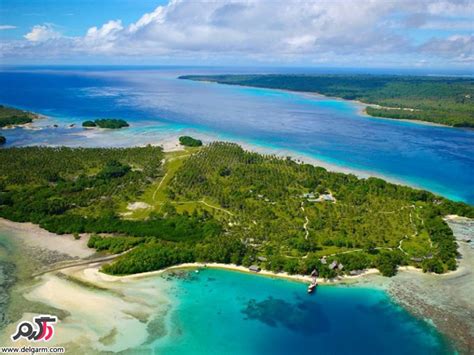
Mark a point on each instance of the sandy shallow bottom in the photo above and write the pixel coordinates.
(103, 315)
(31, 235)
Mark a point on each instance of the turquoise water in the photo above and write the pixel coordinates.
(157, 104)
(225, 312)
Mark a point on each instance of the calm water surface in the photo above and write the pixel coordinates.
(157, 104)
(227, 312)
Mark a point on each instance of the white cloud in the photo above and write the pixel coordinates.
(266, 30)
(40, 33)
(7, 27)
(460, 47)
(103, 39)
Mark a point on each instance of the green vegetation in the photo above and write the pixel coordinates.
(3, 140)
(189, 141)
(224, 204)
(443, 100)
(110, 123)
(114, 245)
(89, 124)
(10, 116)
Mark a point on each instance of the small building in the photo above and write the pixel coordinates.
(254, 268)
(314, 273)
(333, 265)
(323, 260)
(355, 272)
(340, 266)
(417, 260)
(308, 195)
(326, 197)
(261, 258)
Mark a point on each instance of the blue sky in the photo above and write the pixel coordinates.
(421, 33)
(74, 17)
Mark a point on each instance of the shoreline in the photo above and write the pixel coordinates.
(301, 157)
(77, 292)
(239, 268)
(33, 236)
(363, 112)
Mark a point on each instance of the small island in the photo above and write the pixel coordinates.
(188, 141)
(10, 116)
(110, 123)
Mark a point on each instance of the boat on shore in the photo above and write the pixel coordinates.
(312, 286)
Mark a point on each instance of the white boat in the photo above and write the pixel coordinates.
(312, 287)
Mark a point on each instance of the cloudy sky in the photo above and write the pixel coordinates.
(355, 33)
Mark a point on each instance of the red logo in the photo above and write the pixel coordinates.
(41, 330)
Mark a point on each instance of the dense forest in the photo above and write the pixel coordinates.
(443, 100)
(111, 123)
(224, 204)
(10, 116)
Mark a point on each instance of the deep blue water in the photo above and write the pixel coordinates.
(157, 104)
(224, 312)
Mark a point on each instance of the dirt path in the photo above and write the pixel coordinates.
(305, 225)
(159, 185)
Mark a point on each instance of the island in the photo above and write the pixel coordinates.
(440, 100)
(188, 141)
(10, 116)
(220, 203)
(110, 123)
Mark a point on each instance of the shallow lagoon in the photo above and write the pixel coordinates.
(227, 312)
(159, 105)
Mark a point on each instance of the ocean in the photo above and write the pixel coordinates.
(158, 105)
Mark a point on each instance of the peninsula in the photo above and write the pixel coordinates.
(441, 100)
(10, 117)
(222, 204)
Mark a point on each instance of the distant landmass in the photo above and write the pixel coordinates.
(110, 123)
(441, 100)
(10, 116)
